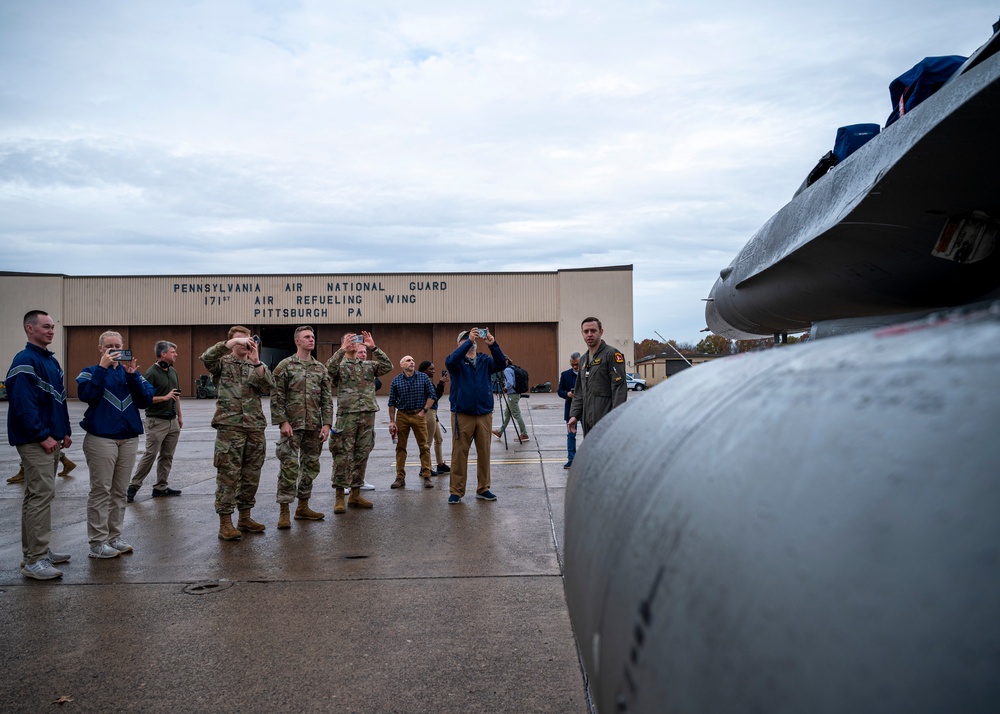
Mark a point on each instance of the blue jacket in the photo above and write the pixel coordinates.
(37, 398)
(567, 383)
(471, 392)
(114, 398)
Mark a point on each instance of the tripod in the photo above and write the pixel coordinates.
(503, 400)
(506, 418)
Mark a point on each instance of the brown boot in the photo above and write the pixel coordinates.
(67, 465)
(339, 506)
(248, 524)
(355, 501)
(226, 530)
(427, 482)
(304, 513)
(398, 483)
(18, 477)
(284, 519)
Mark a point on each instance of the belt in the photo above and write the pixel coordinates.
(411, 412)
(160, 416)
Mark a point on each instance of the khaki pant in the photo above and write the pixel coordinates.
(467, 428)
(162, 436)
(434, 434)
(110, 462)
(39, 490)
(418, 425)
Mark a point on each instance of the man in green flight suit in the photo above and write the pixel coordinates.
(601, 385)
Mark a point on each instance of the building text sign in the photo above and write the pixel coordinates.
(395, 298)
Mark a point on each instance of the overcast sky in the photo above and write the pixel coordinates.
(370, 136)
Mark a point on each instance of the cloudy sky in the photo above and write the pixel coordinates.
(330, 136)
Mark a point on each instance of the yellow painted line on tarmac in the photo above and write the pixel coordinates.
(525, 461)
(472, 460)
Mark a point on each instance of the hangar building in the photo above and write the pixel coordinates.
(535, 316)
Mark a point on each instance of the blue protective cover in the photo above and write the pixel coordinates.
(920, 82)
(853, 137)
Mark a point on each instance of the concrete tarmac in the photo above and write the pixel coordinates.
(414, 606)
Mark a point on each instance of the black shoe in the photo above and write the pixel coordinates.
(443, 469)
(157, 492)
(130, 494)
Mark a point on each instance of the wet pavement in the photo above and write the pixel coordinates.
(414, 606)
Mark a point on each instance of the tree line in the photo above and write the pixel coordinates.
(711, 345)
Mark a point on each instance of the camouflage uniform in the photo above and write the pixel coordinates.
(239, 423)
(302, 396)
(356, 407)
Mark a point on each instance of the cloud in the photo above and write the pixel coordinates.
(387, 137)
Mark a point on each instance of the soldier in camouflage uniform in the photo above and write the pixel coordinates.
(239, 422)
(353, 374)
(302, 405)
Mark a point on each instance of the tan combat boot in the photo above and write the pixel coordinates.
(284, 519)
(304, 513)
(18, 477)
(226, 530)
(355, 501)
(67, 465)
(248, 524)
(339, 506)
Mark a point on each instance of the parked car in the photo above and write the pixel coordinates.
(634, 382)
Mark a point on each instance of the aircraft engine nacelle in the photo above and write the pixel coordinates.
(811, 528)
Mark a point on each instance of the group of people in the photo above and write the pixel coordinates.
(301, 390)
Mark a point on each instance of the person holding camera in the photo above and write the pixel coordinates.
(163, 423)
(353, 375)
(471, 399)
(114, 391)
(239, 425)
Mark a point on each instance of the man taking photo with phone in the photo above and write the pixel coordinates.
(471, 400)
(163, 423)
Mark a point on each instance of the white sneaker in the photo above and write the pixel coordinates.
(367, 486)
(103, 551)
(41, 569)
(120, 545)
